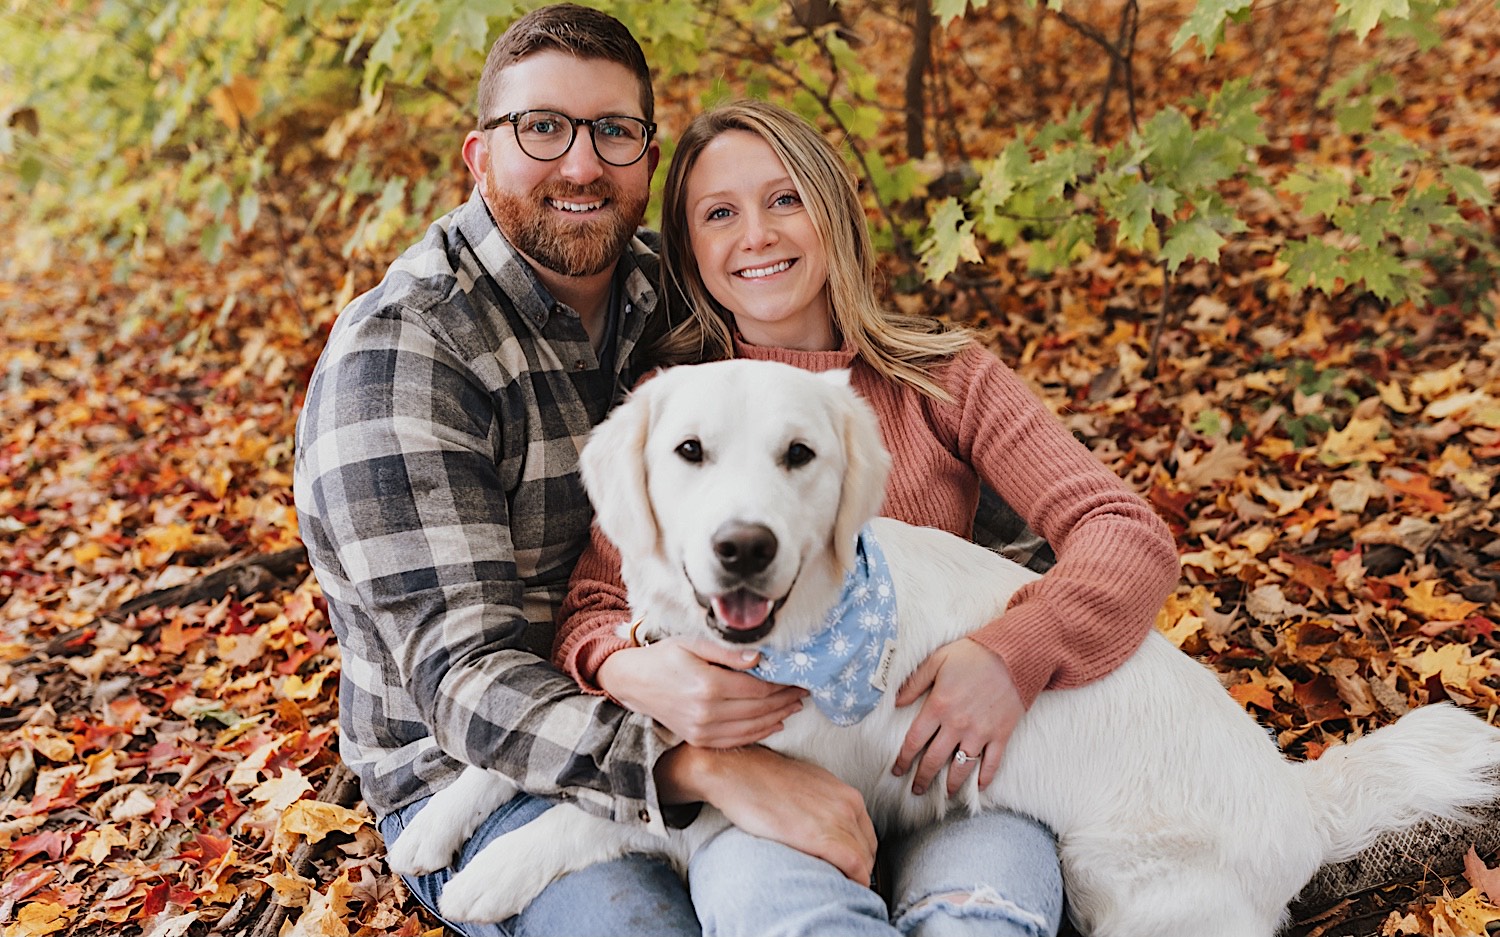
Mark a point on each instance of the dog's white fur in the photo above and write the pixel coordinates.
(1176, 815)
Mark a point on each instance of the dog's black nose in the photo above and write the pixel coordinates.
(744, 549)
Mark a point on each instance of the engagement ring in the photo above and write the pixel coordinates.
(962, 757)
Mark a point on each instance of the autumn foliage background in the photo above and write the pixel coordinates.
(1320, 427)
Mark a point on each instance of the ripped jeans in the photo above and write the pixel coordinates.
(995, 874)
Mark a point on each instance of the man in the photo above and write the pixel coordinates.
(436, 480)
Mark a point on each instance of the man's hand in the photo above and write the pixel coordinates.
(972, 706)
(777, 798)
(694, 687)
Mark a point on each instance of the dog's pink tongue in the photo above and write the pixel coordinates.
(741, 610)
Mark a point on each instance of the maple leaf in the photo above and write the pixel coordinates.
(315, 819)
(326, 912)
(1423, 600)
(1481, 876)
(38, 919)
(50, 843)
(1455, 664)
(1358, 441)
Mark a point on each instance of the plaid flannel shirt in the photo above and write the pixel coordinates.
(438, 495)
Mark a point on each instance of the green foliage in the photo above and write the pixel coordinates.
(1167, 189)
(127, 123)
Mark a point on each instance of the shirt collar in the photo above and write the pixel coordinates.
(846, 663)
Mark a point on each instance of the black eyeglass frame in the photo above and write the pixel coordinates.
(514, 119)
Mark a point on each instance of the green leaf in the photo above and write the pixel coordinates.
(1316, 263)
(215, 236)
(949, 10)
(1468, 184)
(1233, 110)
(951, 240)
(1365, 15)
(1206, 23)
(1358, 116)
(1384, 274)
(1321, 193)
(1137, 208)
(249, 209)
(1194, 237)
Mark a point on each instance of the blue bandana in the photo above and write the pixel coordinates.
(845, 663)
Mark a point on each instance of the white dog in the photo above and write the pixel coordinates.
(738, 493)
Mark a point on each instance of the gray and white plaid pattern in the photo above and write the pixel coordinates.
(438, 494)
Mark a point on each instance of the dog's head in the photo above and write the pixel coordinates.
(737, 480)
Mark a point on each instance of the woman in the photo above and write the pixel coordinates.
(765, 240)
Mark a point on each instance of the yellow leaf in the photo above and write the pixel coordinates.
(282, 791)
(1284, 501)
(1458, 404)
(295, 688)
(38, 919)
(1470, 913)
(1356, 442)
(86, 554)
(1394, 397)
(96, 845)
(1433, 384)
(1422, 599)
(315, 819)
(236, 102)
(1454, 663)
(325, 912)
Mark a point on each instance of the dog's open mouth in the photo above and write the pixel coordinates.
(742, 616)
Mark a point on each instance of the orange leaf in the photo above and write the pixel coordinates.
(1419, 489)
(1251, 694)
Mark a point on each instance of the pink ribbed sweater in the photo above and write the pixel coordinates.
(1116, 562)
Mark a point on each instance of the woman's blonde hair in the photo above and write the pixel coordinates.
(900, 348)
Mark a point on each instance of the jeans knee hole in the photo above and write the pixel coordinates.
(981, 901)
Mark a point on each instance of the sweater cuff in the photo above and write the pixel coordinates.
(590, 655)
(1028, 663)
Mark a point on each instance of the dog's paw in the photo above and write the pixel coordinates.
(476, 894)
(418, 851)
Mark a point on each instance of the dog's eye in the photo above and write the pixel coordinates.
(798, 455)
(691, 451)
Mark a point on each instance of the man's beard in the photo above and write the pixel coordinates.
(570, 249)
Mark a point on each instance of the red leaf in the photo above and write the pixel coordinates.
(19, 886)
(156, 900)
(51, 843)
(1319, 699)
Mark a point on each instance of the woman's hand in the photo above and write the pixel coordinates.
(777, 798)
(972, 706)
(694, 687)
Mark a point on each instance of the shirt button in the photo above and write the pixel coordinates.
(645, 816)
(579, 365)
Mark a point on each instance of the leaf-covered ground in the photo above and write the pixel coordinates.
(167, 759)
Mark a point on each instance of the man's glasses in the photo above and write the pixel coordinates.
(547, 135)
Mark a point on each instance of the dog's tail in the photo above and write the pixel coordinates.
(1437, 761)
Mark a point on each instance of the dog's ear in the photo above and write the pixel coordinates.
(613, 464)
(866, 465)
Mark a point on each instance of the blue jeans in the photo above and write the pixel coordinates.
(996, 875)
(636, 895)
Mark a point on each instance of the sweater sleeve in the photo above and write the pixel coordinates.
(589, 620)
(1116, 560)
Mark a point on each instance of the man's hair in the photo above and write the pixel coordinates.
(565, 27)
(900, 348)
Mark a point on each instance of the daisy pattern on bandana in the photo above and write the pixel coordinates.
(843, 664)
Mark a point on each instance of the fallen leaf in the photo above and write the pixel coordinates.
(1481, 876)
